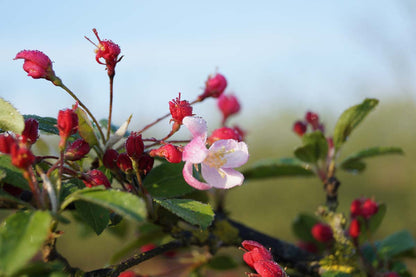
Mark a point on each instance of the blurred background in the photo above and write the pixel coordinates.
(281, 58)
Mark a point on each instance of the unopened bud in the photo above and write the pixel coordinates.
(124, 163)
(95, 178)
(170, 152)
(30, 132)
(134, 146)
(322, 232)
(224, 133)
(110, 158)
(77, 150)
(214, 86)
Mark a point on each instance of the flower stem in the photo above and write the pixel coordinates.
(110, 107)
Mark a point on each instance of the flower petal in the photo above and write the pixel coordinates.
(191, 180)
(221, 178)
(196, 125)
(234, 153)
(195, 151)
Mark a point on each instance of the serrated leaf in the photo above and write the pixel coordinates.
(222, 262)
(85, 128)
(123, 203)
(21, 237)
(192, 211)
(302, 226)
(14, 175)
(119, 134)
(375, 220)
(10, 118)
(166, 180)
(93, 215)
(350, 119)
(353, 163)
(46, 124)
(396, 244)
(277, 168)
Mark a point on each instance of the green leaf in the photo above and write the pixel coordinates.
(354, 164)
(14, 175)
(41, 269)
(306, 153)
(21, 237)
(376, 219)
(2, 174)
(85, 129)
(93, 215)
(302, 226)
(192, 211)
(4, 196)
(46, 124)
(350, 119)
(335, 274)
(277, 168)
(166, 181)
(222, 262)
(318, 140)
(396, 244)
(123, 203)
(10, 118)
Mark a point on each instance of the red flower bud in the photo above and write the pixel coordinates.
(228, 105)
(95, 178)
(322, 232)
(77, 150)
(170, 152)
(214, 87)
(179, 109)
(110, 158)
(67, 125)
(224, 133)
(134, 146)
(36, 64)
(145, 163)
(369, 208)
(313, 119)
(268, 268)
(355, 208)
(107, 50)
(147, 247)
(124, 163)
(6, 142)
(299, 128)
(257, 254)
(21, 156)
(30, 132)
(354, 230)
(128, 273)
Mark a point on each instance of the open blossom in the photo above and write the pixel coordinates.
(217, 162)
(37, 64)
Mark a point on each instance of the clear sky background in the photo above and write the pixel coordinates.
(276, 55)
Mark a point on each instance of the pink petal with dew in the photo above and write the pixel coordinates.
(35, 56)
(234, 153)
(195, 151)
(191, 180)
(196, 125)
(221, 178)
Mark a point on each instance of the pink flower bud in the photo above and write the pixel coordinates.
(268, 268)
(145, 163)
(354, 230)
(124, 163)
(229, 105)
(36, 64)
(369, 208)
(77, 150)
(355, 208)
(257, 254)
(107, 50)
(134, 146)
(224, 133)
(21, 156)
(30, 132)
(170, 152)
(299, 128)
(110, 158)
(67, 125)
(322, 232)
(6, 143)
(214, 86)
(95, 178)
(179, 109)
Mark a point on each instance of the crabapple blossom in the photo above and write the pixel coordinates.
(37, 64)
(217, 162)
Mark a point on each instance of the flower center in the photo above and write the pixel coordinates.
(216, 159)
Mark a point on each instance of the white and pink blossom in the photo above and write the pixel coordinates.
(217, 162)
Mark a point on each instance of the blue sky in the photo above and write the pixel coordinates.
(276, 55)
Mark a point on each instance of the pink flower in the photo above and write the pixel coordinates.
(229, 105)
(37, 64)
(217, 162)
(214, 87)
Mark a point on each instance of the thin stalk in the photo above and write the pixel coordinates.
(110, 112)
(28, 174)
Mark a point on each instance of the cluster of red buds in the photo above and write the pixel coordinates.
(261, 260)
(311, 120)
(363, 208)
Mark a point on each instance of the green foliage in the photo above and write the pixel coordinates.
(46, 124)
(10, 118)
(396, 244)
(166, 180)
(354, 163)
(314, 148)
(123, 203)
(350, 119)
(192, 211)
(302, 226)
(13, 175)
(38, 269)
(85, 128)
(93, 215)
(277, 168)
(335, 274)
(375, 220)
(222, 262)
(21, 236)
